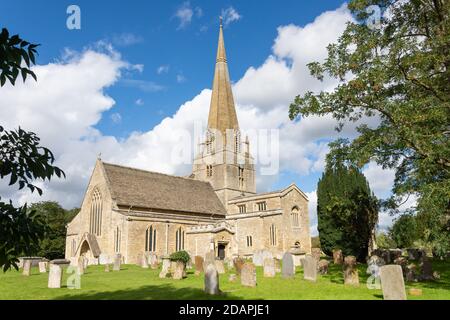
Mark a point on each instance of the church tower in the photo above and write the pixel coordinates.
(223, 159)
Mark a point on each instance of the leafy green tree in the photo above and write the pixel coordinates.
(398, 71)
(404, 231)
(347, 211)
(384, 241)
(56, 218)
(23, 160)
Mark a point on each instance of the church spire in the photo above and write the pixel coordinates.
(222, 113)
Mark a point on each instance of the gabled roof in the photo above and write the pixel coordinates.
(152, 190)
(278, 193)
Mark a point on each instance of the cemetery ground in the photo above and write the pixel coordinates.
(134, 282)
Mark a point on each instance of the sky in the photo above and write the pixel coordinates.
(137, 75)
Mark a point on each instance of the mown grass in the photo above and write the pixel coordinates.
(133, 282)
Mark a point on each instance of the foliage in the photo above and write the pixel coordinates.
(404, 231)
(384, 241)
(347, 211)
(398, 72)
(180, 256)
(23, 160)
(14, 50)
(53, 244)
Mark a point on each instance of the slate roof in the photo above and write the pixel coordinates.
(152, 190)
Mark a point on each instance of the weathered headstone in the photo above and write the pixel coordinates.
(211, 280)
(248, 275)
(392, 282)
(426, 268)
(165, 269)
(26, 267)
(310, 268)
(288, 268)
(81, 265)
(238, 264)
(220, 266)
(178, 270)
(144, 261)
(337, 256)
(210, 257)
(85, 262)
(153, 261)
(351, 276)
(323, 265)
(107, 267)
(117, 262)
(54, 276)
(43, 266)
(260, 255)
(198, 262)
(277, 263)
(269, 267)
(411, 272)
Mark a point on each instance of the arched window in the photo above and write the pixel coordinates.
(117, 235)
(209, 170)
(249, 241)
(74, 247)
(273, 235)
(150, 239)
(179, 240)
(209, 142)
(95, 223)
(295, 217)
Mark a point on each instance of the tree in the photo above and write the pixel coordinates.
(56, 218)
(347, 211)
(23, 160)
(384, 241)
(404, 231)
(399, 72)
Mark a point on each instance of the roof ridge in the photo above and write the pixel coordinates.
(156, 172)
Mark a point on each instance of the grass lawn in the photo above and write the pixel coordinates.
(133, 282)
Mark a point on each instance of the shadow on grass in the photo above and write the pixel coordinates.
(150, 292)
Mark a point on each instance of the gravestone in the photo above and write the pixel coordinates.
(103, 259)
(117, 262)
(43, 266)
(55, 273)
(211, 280)
(165, 269)
(411, 272)
(178, 270)
(395, 253)
(153, 261)
(337, 256)
(238, 264)
(81, 265)
(323, 265)
(144, 261)
(210, 258)
(220, 266)
(316, 253)
(269, 267)
(85, 262)
(392, 282)
(277, 263)
(248, 275)
(351, 276)
(198, 262)
(288, 268)
(426, 269)
(107, 267)
(310, 268)
(260, 255)
(26, 267)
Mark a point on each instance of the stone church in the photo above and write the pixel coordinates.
(132, 211)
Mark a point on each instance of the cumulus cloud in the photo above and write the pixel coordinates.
(70, 98)
(139, 102)
(163, 69)
(116, 118)
(230, 15)
(185, 13)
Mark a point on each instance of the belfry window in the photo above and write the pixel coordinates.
(237, 142)
(150, 239)
(242, 208)
(249, 241)
(95, 222)
(262, 206)
(179, 240)
(117, 235)
(209, 170)
(273, 235)
(295, 217)
(241, 177)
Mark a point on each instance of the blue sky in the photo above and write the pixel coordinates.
(161, 56)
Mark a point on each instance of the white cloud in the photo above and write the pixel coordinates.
(163, 69)
(184, 14)
(116, 118)
(230, 15)
(181, 78)
(143, 85)
(126, 39)
(139, 102)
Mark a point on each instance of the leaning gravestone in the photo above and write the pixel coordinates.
(178, 270)
(248, 275)
(211, 280)
(26, 267)
(269, 267)
(43, 267)
(351, 276)
(337, 256)
(288, 268)
(310, 268)
(238, 264)
(55, 273)
(392, 282)
(165, 269)
(117, 262)
(198, 262)
(322, 266)
(220, 267)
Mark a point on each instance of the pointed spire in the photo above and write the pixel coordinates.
(222, 112)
